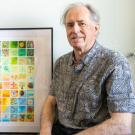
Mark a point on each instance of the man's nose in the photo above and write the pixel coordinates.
(76, 28)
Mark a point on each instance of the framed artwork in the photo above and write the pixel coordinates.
(25, 77)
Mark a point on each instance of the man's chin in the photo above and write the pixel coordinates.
(77, 48)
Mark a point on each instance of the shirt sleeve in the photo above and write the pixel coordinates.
(51, 91)
(119, 88)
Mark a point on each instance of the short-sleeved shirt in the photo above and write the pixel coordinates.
(87, 93)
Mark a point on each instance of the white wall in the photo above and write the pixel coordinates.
(117, 21)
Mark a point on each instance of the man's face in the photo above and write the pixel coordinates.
(81, 30)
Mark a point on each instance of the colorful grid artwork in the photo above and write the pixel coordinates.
(16, 81)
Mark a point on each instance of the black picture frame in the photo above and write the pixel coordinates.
(42, 46)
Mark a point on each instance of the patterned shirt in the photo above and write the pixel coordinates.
(86, 93)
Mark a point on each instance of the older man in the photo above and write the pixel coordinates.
(91, 92)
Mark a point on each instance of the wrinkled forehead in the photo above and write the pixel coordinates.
(77, 13)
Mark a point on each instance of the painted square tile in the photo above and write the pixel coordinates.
(22, 44)
(13, 117)
(30, 44)
(22, 109)
(5, 44)
(13, 44)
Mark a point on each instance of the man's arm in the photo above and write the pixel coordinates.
(48, 116)
(118, 124)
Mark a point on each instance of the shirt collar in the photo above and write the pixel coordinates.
(91, 53)
(88, 56)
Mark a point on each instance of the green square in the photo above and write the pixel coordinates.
(13, 60)
(22, 52)
(13, 44)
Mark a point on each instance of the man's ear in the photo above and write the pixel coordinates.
(97, 28)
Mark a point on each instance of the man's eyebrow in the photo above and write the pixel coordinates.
(74, 21)
(80, 20)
